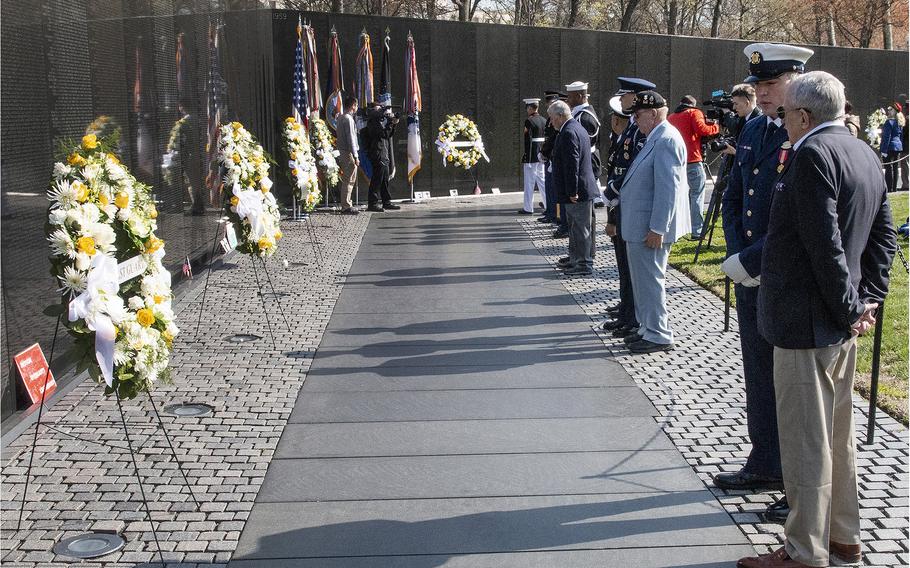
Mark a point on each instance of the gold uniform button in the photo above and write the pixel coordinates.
(748, 233)
(755, 172)
(749, 213)
(751, 192)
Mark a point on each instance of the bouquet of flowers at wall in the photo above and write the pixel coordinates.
(116, 295)
(874, 127)
(302, 166)
(252, 208)
(459, 142)
(324, 148)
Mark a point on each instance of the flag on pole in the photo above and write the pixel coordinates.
(216, 105)
(413, 104)
(385, 91)
(334, 83)
(187, 268)
(314, 104)
(299, 100)
(363, 87)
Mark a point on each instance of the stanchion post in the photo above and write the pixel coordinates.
(727, 304)
(876, 364)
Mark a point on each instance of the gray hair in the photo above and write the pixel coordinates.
(559, 109)
(820, 93)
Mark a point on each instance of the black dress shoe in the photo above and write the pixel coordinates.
(645, 346)
(391, 206)
(625, 331)
(778, 511)
(557, 234)
(633, 337)
(523, 212)
(612, 324)
(564, 262)
(543, 220)
(745, 480)
(375, 209)
(614, 309)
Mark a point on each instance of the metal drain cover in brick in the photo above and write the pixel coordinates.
(89, 545)
(242, 338)
(189, 409)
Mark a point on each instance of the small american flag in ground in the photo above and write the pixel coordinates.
(187, 267)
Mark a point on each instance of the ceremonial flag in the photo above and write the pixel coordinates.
(334, 82)
(181, 67)
(312, 71)
(363, 87)
(385, 91)
(216, 106)
(187, 268)
(299, 102)
(413, 104)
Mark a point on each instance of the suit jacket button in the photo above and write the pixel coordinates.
(748, 233)
(755, 172)
(751, 192)
(749, 213)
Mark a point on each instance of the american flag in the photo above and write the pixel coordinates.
(300, 103)
(412, 106)
(187, 268)
(215, 106)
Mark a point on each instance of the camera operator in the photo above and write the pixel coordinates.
(381, 123)
(690, 121)
(743, 96)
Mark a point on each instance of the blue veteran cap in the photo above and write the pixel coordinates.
(633, 85)
(771, 60)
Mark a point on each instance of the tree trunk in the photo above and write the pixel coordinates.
(517, 19)
(431, 9)
(832, 39)
(715, 19)
(573, 13)
(887, 41)
(626, 24)
(338, 6)
(672, 17)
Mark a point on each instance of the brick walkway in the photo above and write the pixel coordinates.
(698, 390)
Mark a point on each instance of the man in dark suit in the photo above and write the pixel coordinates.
(576, 187)
(380, 128)
(825, 264)
(746, 203)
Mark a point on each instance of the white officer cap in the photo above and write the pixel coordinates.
(770, 60)
(531, 101)
(577, 86)
(616, 107)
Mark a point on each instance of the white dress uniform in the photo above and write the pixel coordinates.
(533, 168)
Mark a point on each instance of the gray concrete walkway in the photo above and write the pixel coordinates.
(460, 412)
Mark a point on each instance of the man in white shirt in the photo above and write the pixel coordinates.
(348, 148)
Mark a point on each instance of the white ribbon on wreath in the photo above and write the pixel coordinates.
(250, 207)
(91, 306)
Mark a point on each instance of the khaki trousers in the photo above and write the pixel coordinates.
(814, 390)
(348, 176)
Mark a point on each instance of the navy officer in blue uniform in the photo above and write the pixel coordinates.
(621, 155)
(761, 154)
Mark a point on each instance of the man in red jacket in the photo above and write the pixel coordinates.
(690, 121)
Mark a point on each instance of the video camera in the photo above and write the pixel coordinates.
(387, 111)
(720, 109)
(720, 143)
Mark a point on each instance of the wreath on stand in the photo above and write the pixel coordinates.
(116, 294)
(302, 173)
(874, 127)
(252, 207)
(460, 143)
(324, 148)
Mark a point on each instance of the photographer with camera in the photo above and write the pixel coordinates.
(743, 98)
(381, 123)
(691, 123)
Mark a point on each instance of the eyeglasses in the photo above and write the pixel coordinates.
(782, 112)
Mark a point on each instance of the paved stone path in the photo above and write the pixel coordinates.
(460, 412)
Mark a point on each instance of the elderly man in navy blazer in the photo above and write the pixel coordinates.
(576, 187)
(654, 213)
(824, 271)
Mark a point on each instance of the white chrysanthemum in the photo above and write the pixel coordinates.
(113, 306)
(102, 233)
(115, 171)
(91, 172)
(73, 281)
(62, 244)
(136, 303)
(110, 210)
(140, 226)
(83, 261)
(122, 354)
(124, 214)
(61, 170)
(63, 194)
(57, 217)
(90, 213)
(266, 183)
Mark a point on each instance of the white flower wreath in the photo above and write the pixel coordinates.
(324, 148)
(874, 127)
(252, 206)
(302, 166)
(460, 143)
(119, 314)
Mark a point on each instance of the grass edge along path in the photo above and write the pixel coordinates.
(893, 378)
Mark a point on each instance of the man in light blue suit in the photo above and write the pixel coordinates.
(654, 214)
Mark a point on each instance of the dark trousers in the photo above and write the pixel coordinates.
(379, 184)
(758, 372)
(550, 190)
(904, 167)
(626, 313)
(891, 170)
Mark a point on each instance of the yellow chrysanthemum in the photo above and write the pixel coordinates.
(236, 158)
(103, 199)
(235, 200)
(290, 120)
(145, 317)
(122, 200)
(264, 243)
(81, 191)
(86, 245)
(89, 141)
(236, 125)
(157, 299)
(153, 245)
(75, 159)
(153, 212)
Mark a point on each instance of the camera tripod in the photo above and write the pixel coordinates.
(713, 212)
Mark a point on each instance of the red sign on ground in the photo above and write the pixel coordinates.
(33, 367)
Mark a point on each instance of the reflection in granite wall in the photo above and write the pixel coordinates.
(165, 73)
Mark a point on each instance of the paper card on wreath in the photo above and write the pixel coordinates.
(231, 235)
(32, 368)
(453, 193)
(131, 268)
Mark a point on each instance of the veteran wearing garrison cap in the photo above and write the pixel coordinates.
(532, 167)
(761, 154)
(622, 153)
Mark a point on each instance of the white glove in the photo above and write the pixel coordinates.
(733, 268)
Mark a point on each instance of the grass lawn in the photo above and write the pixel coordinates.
(893, 383)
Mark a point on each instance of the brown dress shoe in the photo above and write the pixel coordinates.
(844, 554)
(777, 559)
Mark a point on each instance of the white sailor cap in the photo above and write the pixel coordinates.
(770, 60)
(531, 101)
(577, 86)
(616, 107)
